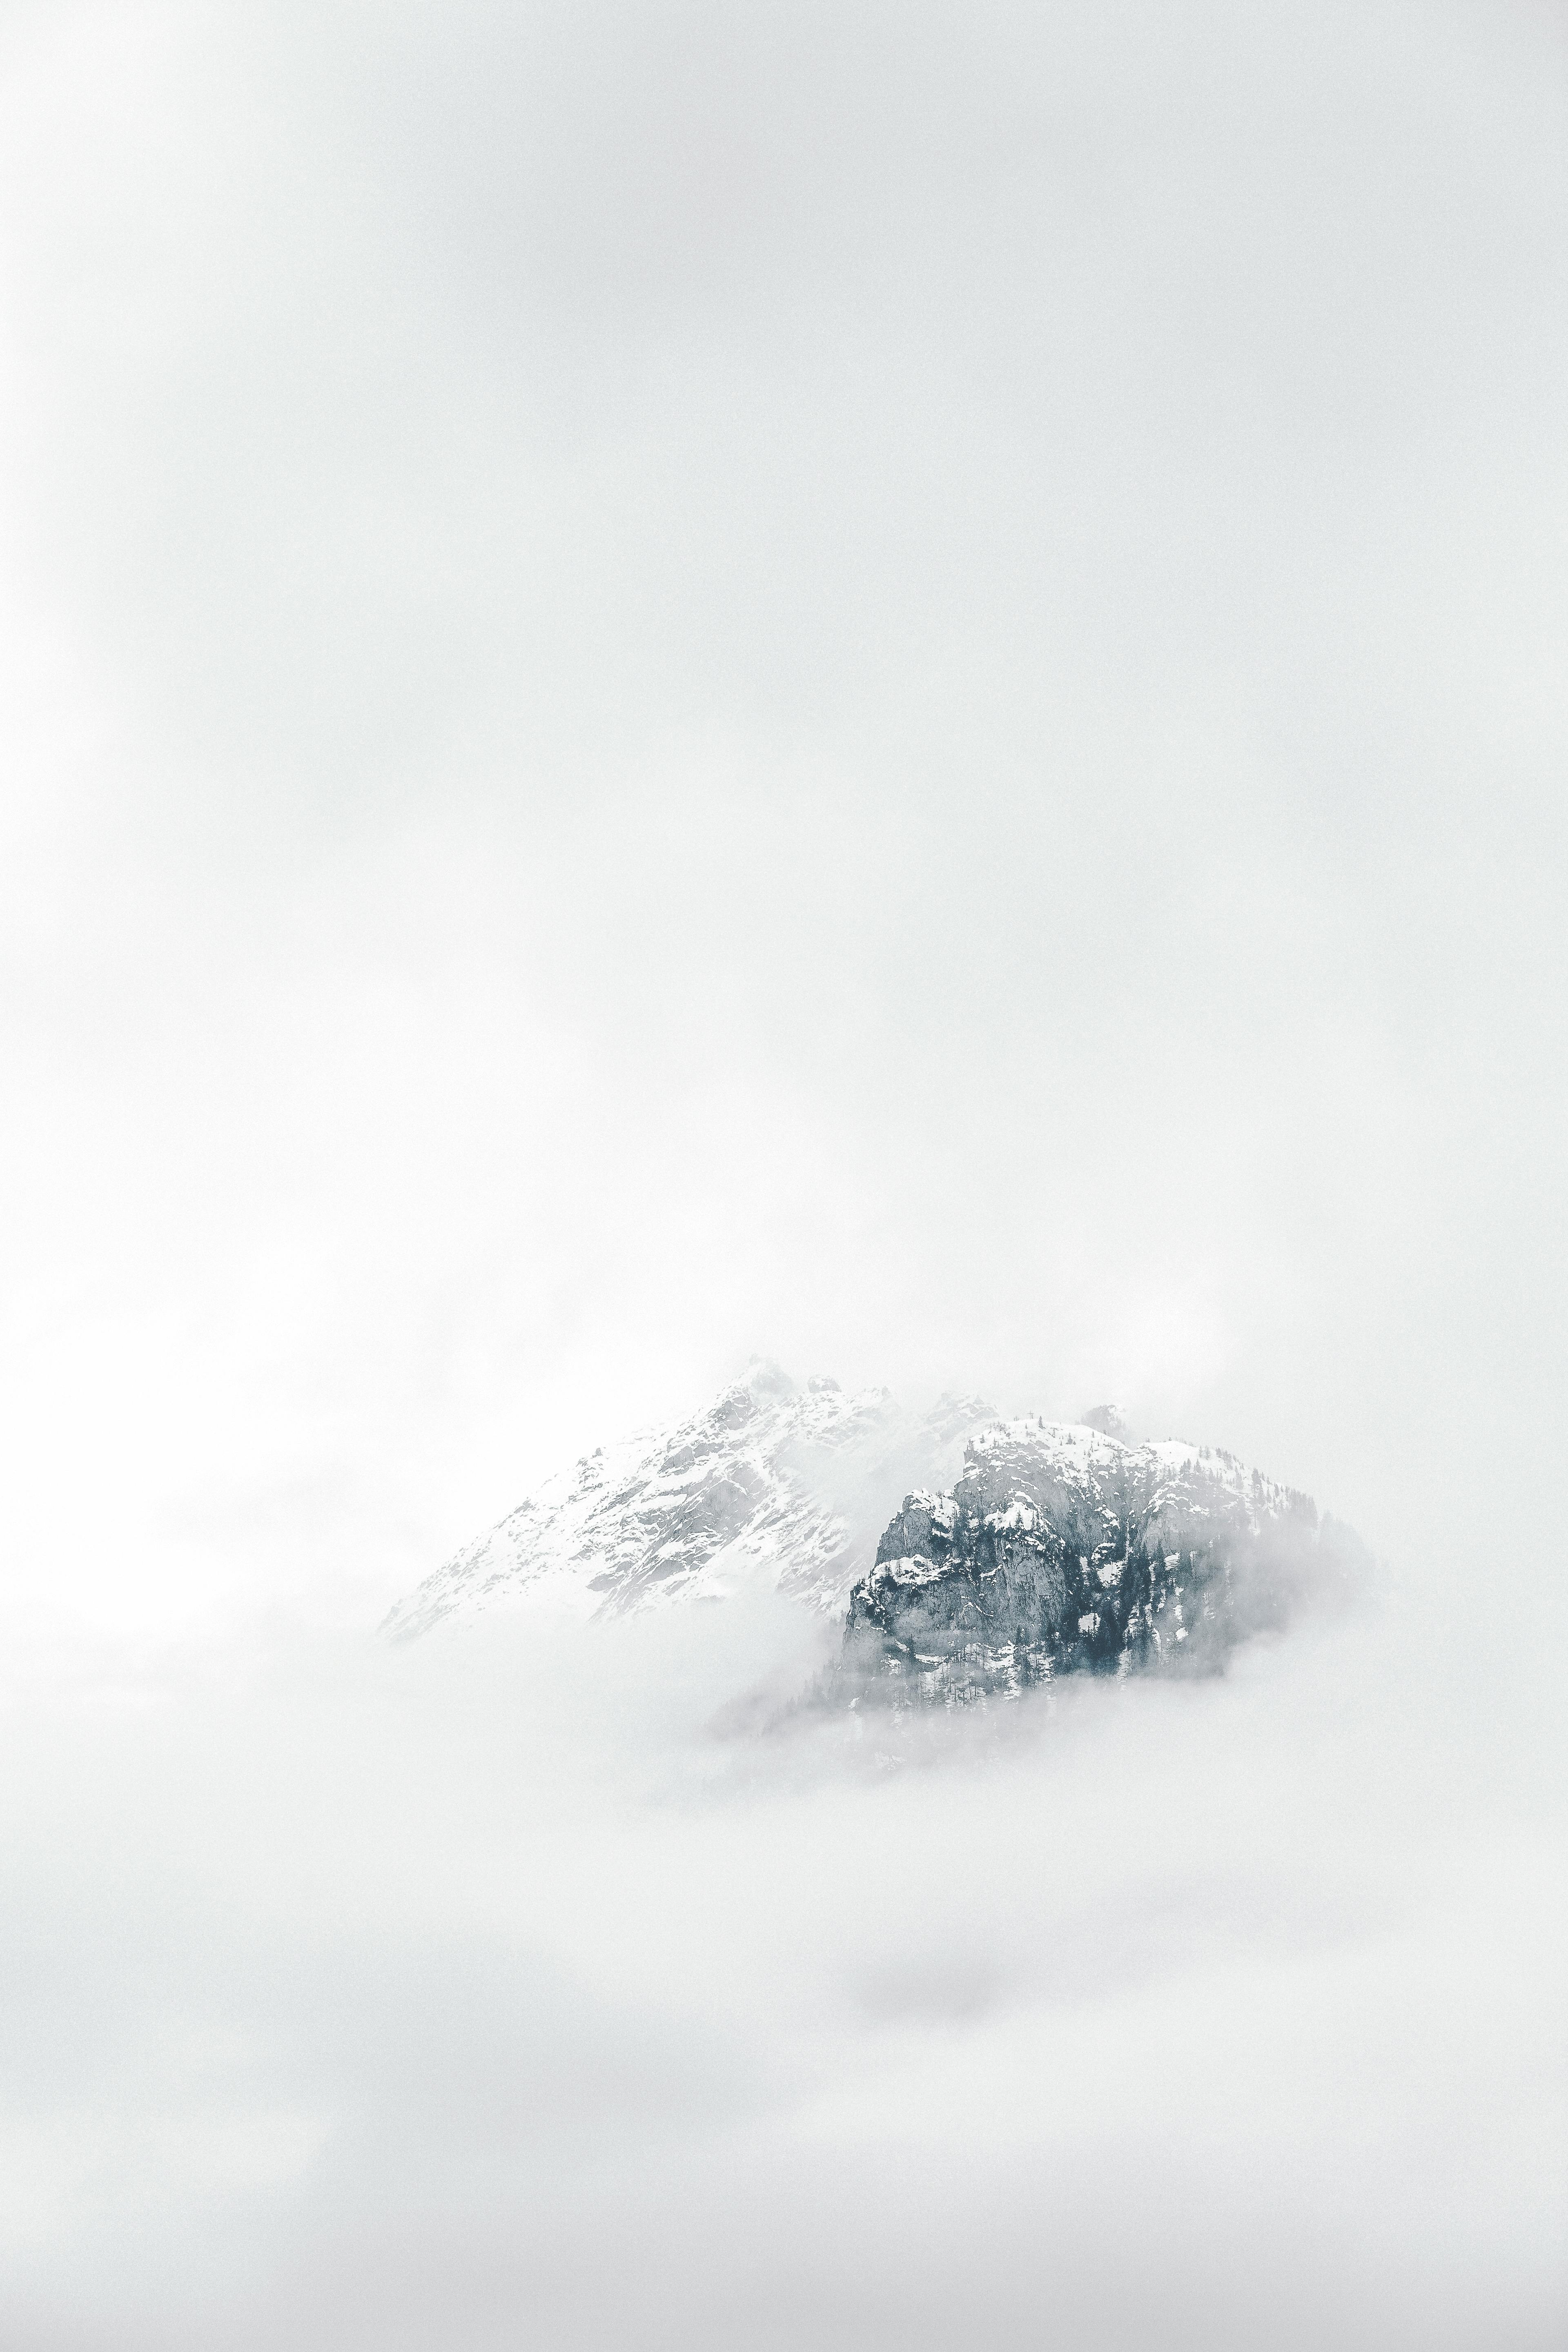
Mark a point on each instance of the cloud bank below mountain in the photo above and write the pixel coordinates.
(481, 1991)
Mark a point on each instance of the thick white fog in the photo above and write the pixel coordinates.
(877, 685)
(484, 1992)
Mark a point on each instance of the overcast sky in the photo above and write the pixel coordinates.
(883, 684)
(878, 684)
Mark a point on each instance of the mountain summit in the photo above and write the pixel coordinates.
(774, 1482)
(1023, 1550)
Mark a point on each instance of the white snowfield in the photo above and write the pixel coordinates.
(791, 1487)
(773, 1483)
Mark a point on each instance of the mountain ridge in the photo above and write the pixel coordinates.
(774, 1482)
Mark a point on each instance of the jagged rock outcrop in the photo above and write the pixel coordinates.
(1063, 1551)
(774, 1482)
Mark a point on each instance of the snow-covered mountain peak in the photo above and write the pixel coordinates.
(772, 1482)
(1024, 1547)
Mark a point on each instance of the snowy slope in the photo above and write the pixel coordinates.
(773, 1483)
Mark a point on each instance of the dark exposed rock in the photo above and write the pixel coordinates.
(1062, 1550)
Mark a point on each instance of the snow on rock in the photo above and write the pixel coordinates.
(1062, 1549)
(772, 1481)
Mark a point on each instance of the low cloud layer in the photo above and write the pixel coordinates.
(484, 1993)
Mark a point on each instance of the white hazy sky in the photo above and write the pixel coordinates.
(878, 684)
(883, 684)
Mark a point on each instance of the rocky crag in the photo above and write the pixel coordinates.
(1062, 1550)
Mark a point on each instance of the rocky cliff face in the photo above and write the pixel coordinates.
(773, 1483)
(1023, 1550)
(1061, 1549)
